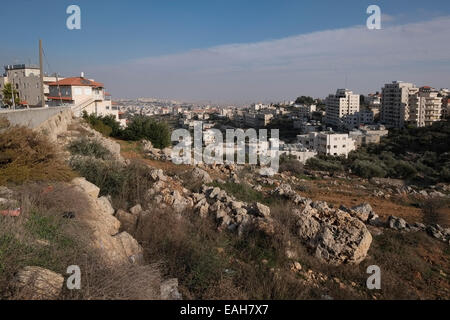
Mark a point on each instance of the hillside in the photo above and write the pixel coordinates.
(221, 232)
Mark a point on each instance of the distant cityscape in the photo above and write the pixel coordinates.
(335, 126)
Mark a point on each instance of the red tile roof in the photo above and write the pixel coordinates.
(77, 81)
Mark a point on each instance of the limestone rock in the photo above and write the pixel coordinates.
(91, 189)
(201, 174)
(36, 283)
(127, 220)
(169, 290)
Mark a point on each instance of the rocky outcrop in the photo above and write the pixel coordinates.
(36, 283)
(169, 290)
(334, 235)
(115, 248)
(201, 175)
(155, 153)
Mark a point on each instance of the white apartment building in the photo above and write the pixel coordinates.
(395, 103)
(341, 108)
(425, 107)
(445, 94)
(305, 111)
(82, 95)
(27, 82)
(328, 143)
(298, 151)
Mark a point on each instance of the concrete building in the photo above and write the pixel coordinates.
(26, 81)
(445, 94)
(368, 134)
(297, 151)
(328, 143)
(425, 107)
(395, 103)
(82, 95)
(305, 111)
(341, 108)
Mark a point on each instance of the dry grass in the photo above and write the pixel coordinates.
(40, 236)
(27, 156)
(4, 123)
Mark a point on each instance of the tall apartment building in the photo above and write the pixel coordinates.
(395, 103)
(26, 81)
(445, 94)
(425, 107)
(341, 108)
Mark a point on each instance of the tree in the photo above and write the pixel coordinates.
(8, 92)
(144, 127)
(304, 100)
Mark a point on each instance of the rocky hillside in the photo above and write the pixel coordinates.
(225, 232)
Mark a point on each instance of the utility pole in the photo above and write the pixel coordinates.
(13, 95)
(41, 68)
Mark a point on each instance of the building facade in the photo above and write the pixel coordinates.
(425, 107)
(328, 143)
(395, 103)
(27, 82)
(341, 109)
(82, 95)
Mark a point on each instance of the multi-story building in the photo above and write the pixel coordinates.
(395, 103)
(425, 107)
(82, 95)
(305, 111)
(257, 120)
(445, 94)
(27, 82)
(341, 108)
(328, 143)
(368, 134)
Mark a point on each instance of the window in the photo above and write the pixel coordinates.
(88, 91)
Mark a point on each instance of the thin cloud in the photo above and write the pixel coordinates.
(315, 63)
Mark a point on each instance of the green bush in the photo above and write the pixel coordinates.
(126, 184)
(86, 147)
(330, 165)
(367, 169)
(140, 127)
(144, 127)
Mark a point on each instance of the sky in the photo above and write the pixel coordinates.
(234, 51)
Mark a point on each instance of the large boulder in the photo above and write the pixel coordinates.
(202, 175)
(169, 290)
(128, 220)
(36, 283)
(334, 236)
(363, 211)
(89, 188)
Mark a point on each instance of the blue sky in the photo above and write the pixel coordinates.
(125, 41)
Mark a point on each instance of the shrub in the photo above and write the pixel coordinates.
(4, 123)
(328, 164)
(243, 192)
(404, 170)
(144, 127)
(127, 184)
(291, 165)
(367, 169)
(28, 156)
(86, 147)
